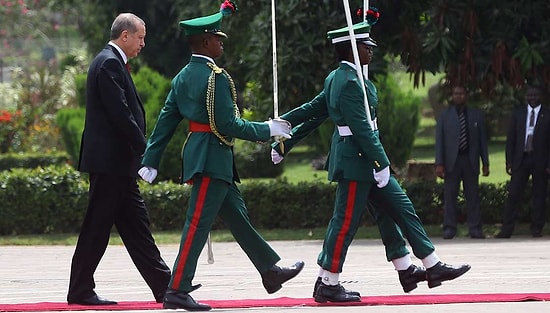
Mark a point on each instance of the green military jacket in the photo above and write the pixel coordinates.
(351, 157)
(203, 152)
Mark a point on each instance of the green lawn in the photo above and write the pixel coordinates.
(425, 151)
(173, 237)
(298, 163)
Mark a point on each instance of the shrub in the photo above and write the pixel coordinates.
(153, 89)
(71, 124)
(32, 160)
(253, 160)
(53, 200)
(41, 200)
(398, 119)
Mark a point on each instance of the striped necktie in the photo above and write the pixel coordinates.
(529, 142)
(463, 138)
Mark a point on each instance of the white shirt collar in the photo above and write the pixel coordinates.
(537, 109)
(203, 56)
(124, 57)
(350, 64)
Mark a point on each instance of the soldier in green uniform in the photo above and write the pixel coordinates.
(205, 94)
(358, 163)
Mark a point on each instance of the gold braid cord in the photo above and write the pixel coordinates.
(210, 95)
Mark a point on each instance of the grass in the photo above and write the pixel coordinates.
(425, 151)
(173, 237)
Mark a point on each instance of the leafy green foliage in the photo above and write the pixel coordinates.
(398, 119)
(41, 200)
(71, 124)
(53, 199)
(253, 160)
(475, 43)
(153, 89)
(31, 160)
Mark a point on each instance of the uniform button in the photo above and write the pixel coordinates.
(360, 154)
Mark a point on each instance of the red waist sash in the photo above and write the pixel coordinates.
(199, 128)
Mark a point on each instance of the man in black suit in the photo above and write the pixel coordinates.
(112, 146)
(460, 142)
(527, 155)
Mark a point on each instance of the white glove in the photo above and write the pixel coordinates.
(276, 158)
(148, 174)
(382, 177)
(279, 128)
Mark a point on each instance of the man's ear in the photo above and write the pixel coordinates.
(206, 41)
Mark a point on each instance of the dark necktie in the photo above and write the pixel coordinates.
(128, 67)
(463, 138)
(529, 143)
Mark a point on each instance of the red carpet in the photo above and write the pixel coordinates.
(289, 302)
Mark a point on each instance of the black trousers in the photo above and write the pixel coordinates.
(115, 200)
(518, 182)
(464, 173)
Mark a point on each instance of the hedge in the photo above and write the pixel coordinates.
(53, 200)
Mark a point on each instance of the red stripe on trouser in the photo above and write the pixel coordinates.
(348, 215)
(186, 246)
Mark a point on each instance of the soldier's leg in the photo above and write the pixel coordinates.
(206, 199)
(350, 202)
(399, 207)
(235, 215)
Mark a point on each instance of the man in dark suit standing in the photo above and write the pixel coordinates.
(527, 155)
(112, 146)
(460, 141)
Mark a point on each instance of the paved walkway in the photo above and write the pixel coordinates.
(517, 265)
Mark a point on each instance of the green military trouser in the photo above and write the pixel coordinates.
(211, 197)
(393, 212)
(396, 217)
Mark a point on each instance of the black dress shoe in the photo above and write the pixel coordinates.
(159, 298)
(502, 235)
(442, 272)
(410, 277)
(334, 294)
(319, 282)
(93, 300)
(174, 299)
(477, 235)
(274, 278)
(449, 234)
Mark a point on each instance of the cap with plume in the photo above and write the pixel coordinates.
(371, 16)
(228, 7)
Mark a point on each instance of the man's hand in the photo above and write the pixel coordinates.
(382, 177)
(276, 158)
(148, 174)
(279, 128)
(440, 171)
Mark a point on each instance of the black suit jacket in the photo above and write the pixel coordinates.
(113, 140)
(448, 134)
(515, 140)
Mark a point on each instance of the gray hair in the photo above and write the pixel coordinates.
(125, 21)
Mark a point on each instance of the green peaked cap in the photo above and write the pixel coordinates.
(203, 25)
(361, 31)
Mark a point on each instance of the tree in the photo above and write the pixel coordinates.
(477, 43)
(165, 50)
